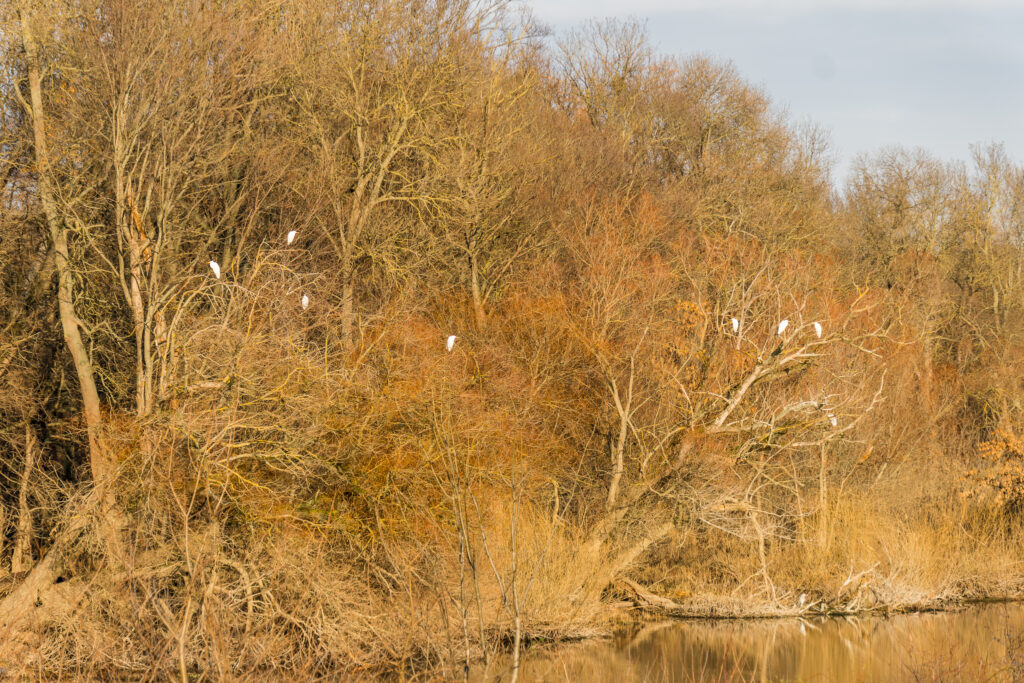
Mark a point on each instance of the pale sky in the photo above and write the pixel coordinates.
(936, 74)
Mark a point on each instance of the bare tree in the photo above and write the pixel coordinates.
(369, 113)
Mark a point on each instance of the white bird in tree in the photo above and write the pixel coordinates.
(782, 326)
(451, 343)
(735, 325)
(832, 420)
(216, 269)
(291, 236)
(817, 329)
(305, 302)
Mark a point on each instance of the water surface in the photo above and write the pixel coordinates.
(980, 643)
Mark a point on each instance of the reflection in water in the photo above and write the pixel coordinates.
(982, 643)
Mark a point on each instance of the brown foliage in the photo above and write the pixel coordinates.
(614, 239)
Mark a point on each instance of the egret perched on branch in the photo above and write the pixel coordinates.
(832, 420)
(305, 302)
(817, 329)
(451, 343)
(216, 269)
(291, 236)
(782, 326)
(735, 325)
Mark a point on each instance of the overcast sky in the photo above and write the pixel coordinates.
(937, 74)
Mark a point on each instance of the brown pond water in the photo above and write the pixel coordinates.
(980, 643)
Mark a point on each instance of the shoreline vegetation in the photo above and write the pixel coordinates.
(387, 338)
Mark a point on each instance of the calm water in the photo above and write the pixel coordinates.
(981, 643)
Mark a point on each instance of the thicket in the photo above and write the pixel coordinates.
(281, 466)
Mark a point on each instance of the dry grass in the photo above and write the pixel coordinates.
(876, 557)
(278, 595)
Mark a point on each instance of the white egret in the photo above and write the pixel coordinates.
(735, 325)
(291, 236)
(216, 269)
(817, 329)
(832, 419)
(782, 326)
(451, 342)
(305, 302)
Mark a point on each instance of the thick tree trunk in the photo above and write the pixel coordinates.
(101, 468)
(618, 450)
(39, 597)
(39, 594)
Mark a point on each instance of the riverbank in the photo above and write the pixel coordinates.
(650, 605)
(952, 555)
(554, 584)
(981, 642)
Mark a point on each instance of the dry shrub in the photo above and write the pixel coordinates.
(295, 514)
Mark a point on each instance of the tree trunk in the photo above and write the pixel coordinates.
(474, 282)
(618, 462)
(3, 534)
(21, 558)
(347, 301)
(39, 594)
(128, 223)
(823, 501)
(618, 453)
(39, 597)
(99, 464)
